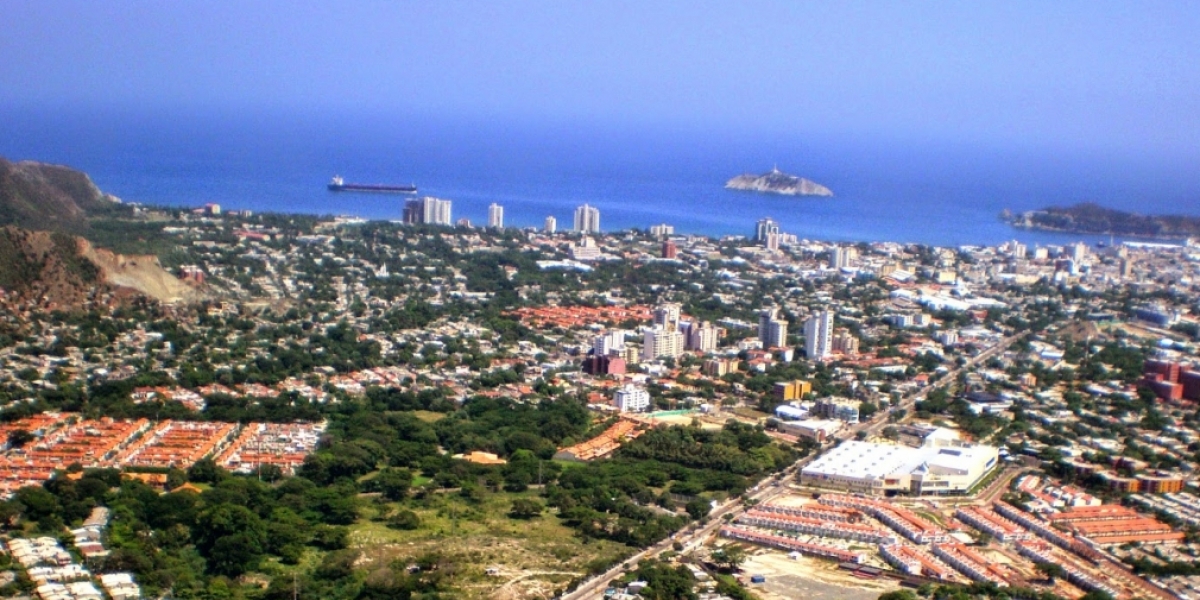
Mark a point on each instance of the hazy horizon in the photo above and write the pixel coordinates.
(1086, 78)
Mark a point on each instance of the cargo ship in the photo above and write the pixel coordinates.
(337, 184)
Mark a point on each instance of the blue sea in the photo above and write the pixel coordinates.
(637, 175)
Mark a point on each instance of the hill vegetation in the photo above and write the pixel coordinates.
(1095, 219)
(36, 195)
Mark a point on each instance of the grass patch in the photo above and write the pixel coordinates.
(428, 416)
(570, 464)
(480, 536)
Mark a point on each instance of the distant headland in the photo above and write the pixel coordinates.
(778, 182)
(1091, 218)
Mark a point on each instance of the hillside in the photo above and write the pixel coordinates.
(48, 197)
(1095, 219)
(68, 272)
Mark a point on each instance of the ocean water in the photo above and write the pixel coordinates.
(637, 176)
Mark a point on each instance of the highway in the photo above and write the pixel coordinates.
(691, 538)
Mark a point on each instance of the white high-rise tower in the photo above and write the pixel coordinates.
(818, 334)
(587, 219)
(495, 216)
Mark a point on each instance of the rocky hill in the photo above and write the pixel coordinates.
(68, 272)
(1095, 219)
(49, 197)
(778, 182)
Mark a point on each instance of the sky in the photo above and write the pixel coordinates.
(1095, 76)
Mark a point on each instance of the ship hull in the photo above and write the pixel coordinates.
(374, 189)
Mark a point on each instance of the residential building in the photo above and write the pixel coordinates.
(667, 315)
(661, 341)
(587, 219)
(495, 216)
(792, 390)
(818, 333)
(427, 211)
(841, 258)
(703, 336)
(765, 228)
(551, 225)
(662, 230)
(632, 398)
(669, 250)
(845, 343)
(772, 330)
(586, 249)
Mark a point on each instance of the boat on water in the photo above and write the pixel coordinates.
(337, 184)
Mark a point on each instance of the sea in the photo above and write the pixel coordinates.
(637, 175)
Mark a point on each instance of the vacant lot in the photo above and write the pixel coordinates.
(528, 558)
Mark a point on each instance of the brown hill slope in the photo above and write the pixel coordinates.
(51, 197)
(68, 272)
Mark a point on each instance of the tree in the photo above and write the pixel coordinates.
(525, 508)
(697, 508)
(206, 470)
(405, 519)
(1051, 570)
(394, 484)
(898, 595)
(17, 438)
(729, 556)
(232, 538)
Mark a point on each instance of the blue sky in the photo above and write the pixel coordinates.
(1094, 76)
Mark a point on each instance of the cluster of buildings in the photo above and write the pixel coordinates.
(56, 576)
(604, 444)
(60, 440)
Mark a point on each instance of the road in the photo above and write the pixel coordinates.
(767, 489)
(692, 538)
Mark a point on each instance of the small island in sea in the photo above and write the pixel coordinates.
(1091, 218)
(778, 182)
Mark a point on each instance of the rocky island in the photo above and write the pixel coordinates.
(778, 182)
(1095, 219)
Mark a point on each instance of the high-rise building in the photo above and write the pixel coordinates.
(495, 216)
(1079, 251)
(669, 250)
(841, 258)
(818, 333)
(667, 315)
(1017, 249)
(427, 211)
(632, 398)
(772, 330)
(772, 241)
(611, 342)
(587, 219)
(703, 336)
(765, 228)
(551, 225)
(662, 230)
(845, 343)
(660, 341)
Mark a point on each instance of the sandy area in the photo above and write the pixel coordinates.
(809, 579)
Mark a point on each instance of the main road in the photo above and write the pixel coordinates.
(691, 537)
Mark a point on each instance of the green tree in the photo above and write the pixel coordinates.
(525, 508)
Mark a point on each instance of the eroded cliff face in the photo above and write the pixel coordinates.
(778, 182)
(68, 272)
(143, 273)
